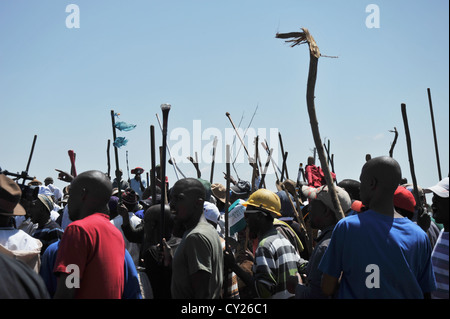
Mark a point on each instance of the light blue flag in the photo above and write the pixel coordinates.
(122, 126)
(120, 141)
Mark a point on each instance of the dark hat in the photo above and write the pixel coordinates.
(130, 197)
(10, 195)
(137, 170)
(241, 188)
(35, 182)
(219, 191)
(287, 210)
(207, 186)
(112, 204)
(48, 179)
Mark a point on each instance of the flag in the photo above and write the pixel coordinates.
(122, 126)
(120, 141)
(236, 218)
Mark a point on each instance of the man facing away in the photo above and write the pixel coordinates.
(378, 253)
(92, 250)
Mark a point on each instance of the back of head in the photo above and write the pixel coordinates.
(385, 170)
(351, 186)
(96, 186)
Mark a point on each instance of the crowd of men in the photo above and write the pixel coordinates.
(91, 240)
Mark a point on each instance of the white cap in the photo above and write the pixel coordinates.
(211, 212)
(440, 189)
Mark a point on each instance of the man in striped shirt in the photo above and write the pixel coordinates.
(275, 257)
(439, 256)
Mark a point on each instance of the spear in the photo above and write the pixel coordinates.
(301, 38)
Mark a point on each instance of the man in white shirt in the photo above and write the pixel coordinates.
(137, 183)
(15, 242)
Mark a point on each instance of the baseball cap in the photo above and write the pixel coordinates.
(440, 189)
(404, 199)
(211, 212)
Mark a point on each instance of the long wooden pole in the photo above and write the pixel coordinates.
(165, 108)
(108, 145)
(213, 159)
(153, 164)
(116, 156)
(410, 156)
(300, 38)
(434, 135)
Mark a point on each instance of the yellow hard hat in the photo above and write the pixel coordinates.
(266, 200)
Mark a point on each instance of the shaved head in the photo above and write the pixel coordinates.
(380, 177)
(386, 170)
(89, 193)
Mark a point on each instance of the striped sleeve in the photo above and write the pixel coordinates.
(440, 259)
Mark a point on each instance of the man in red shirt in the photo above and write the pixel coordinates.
(90, 260)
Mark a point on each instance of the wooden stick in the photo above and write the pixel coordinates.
(108, 145)
(314, 52)
(171, 159)
(250, 160)
(410, 156)
(255, 165)
(434, 135)
(227, 195)
(213, 160)
(153, 164)
(199, 173)
(165, 108)
(263, 174)
(116, 156)
(31, 153)
(391, 150)
(283, 155)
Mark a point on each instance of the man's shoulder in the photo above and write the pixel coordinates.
(203, 231)
(91, 222)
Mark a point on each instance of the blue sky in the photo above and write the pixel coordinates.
(207, 58)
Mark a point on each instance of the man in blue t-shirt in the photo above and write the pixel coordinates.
(378, 253)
